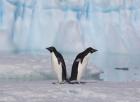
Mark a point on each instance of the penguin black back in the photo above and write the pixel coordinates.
(60, 59)
(79, 58)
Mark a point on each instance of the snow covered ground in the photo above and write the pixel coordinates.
(38, 67)
(28, 78)
(33, 67)
(45, 91)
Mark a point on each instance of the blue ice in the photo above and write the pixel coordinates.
(111, 26)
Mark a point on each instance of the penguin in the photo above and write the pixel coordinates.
(58, 64)
(80, 64)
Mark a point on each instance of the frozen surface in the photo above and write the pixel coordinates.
(70, 25)
(93, 91)
(34, 67)
(29, 78)
(100, 67)
(111, 26)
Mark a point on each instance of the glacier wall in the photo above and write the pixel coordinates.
(111, 26)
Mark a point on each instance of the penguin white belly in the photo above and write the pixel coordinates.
(57, 67)
(82, 67)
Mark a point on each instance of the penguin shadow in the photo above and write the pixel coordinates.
(71, 83)
(83, 82)
(75, 82)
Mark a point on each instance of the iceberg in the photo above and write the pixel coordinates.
(70, 25)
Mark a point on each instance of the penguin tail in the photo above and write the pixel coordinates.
(68, 81)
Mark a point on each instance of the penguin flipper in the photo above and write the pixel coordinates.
(59, 60)
(62, 62)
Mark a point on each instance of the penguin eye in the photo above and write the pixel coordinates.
(92, 50)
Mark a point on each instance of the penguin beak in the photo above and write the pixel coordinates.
(48, 49)
(96, 50)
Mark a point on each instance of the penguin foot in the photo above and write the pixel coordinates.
(63, 82)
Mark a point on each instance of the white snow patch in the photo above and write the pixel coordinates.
(28, 86)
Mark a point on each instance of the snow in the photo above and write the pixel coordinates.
(32, 67)
(45, 91)
(100, 67)
(111, 26)
(29, 78)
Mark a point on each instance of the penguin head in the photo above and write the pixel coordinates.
(91, 50)
(51, 49)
